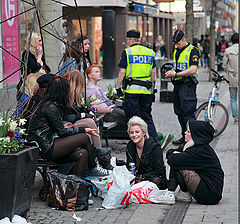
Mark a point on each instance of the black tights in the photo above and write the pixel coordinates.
(159, 182)
(75, 148)
(188, 180)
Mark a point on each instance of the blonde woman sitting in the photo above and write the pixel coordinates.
(146, 153)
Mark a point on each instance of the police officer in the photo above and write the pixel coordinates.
(137, 72)
(183, 74)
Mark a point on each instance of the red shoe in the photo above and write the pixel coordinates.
(236, 122)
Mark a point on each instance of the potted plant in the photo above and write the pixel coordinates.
(18, 161)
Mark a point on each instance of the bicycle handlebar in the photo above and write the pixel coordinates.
(219, 78)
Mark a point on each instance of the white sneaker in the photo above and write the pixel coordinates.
(183, 196)
(166, 198)
(90, 202)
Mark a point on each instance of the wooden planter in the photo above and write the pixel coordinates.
(17, 174)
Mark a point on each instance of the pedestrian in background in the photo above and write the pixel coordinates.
(137, 69)
(201, 44)
(183, 74)
(161, 54)
(206, 51)
(144, 42)
(230, 65)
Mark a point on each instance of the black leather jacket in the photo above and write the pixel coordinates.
(46, 123)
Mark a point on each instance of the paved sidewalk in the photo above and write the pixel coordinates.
(165, 120)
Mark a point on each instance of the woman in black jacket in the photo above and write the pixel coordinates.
(36, 61)
(146, 153)
(58, 143)
(195, 167)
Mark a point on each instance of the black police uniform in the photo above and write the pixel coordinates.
(138, 104)
(184, 92)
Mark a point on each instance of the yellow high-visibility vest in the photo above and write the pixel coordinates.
(183, 61)
(139, 66)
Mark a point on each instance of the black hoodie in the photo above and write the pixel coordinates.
(151, 162)
(201, 157)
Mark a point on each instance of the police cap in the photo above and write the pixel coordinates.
(177, 36)
(133, 34)
(44, 79)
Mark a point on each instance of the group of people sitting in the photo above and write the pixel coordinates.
(67, 134)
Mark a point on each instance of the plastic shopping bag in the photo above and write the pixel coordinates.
(143, 191)
(118, 188)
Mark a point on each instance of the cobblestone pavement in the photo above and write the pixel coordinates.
(165, 120)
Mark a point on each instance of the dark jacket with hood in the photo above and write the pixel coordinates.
(46, 123)
(151, 162)
(201, 158)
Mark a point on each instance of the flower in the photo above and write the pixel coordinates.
(11, 133)
(112, 92)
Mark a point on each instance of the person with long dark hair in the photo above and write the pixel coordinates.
(68, 62)
(82, 58)
(59, 143)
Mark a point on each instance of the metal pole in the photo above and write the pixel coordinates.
(83, 54)
(147, 24)
(29, 42)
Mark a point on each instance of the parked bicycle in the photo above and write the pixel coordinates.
(212, 110)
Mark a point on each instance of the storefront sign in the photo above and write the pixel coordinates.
(10, 39)
(150, 10)
(138, 8)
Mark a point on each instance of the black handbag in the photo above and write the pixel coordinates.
(68, 192)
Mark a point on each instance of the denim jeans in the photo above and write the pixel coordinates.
(233, 91)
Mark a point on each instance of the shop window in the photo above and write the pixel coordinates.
(76, 27)
(132, 22)
(96, 40)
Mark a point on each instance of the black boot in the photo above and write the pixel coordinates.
(101, 152)
(105, 162)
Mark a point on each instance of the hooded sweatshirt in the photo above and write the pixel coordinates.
(200, 158)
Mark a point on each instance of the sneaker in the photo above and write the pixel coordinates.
(98, 172)
(179, 141)
(105, 162)
(165, 141)
(236, 122)
(183, 196)
(90, 202)
(166, 198)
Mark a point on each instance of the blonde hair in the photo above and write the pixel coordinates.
(34, 38)
(31, 85)
(76, 82)
(138, 121)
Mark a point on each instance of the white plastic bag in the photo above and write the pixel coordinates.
(118, 188)
(143, 191)
(101, 184)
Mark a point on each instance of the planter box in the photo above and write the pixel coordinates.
(17, 174)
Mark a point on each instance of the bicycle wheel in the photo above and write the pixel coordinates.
(219, 116)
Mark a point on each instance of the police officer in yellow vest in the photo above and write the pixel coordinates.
(183, 74)
(136, 74)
